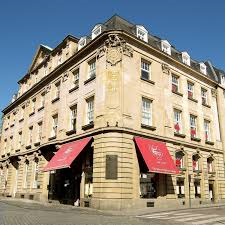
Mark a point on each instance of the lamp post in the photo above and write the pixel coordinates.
(189, 184)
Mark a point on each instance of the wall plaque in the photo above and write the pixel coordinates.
(111, 167)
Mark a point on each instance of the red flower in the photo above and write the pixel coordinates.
(177, 127)
(193, 132)
(178, 162)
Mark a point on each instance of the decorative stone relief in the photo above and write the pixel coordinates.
(27, 103)
(165, 68)
(65, 76)
(213, 92)
(48, 88)
(114, 47)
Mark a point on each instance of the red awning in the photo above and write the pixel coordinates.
(156, 156)
(65, 156)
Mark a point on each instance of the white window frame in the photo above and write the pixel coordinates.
(35, 174)
(207, 130)
(193, 124)
(166, 47)
(92, 68)
(177, 120)
(146, 118)
(54, 125)
(222, 77)
(190, 87)
(186, 58)
(75, 78)
(202, 68)
(142, 33)
(82, 42)
(96, 31)
(73, 117)
(204, 95)
(175, 83)
(146, 68)
(90, 110)
(39, 131)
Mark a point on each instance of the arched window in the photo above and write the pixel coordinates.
(196, 162)
(180, 160)
(210, 164)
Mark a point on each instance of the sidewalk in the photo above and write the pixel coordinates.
(36, 205)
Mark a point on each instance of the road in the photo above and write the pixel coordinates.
(20, 213)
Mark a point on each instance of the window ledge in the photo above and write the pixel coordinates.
(197, 171)
(3, 155)
(195, 139)
(70, 132)
(55, 100)
(89, 80)
(22, 119)
(31, 114)
(88, 126)
(28, 146)
(8, 153)
(12, 125)
(74, 89)
(148, 81)
(52, 138)
(179, 135)
(206, 105)
(177, 93)
(183, 169)
(148, 127)
(6, 128)
(42, 107)
(17, 150)
(212, 173)
(37, 143)
(209, 142)
(192, 99)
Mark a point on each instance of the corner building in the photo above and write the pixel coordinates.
(118, 119)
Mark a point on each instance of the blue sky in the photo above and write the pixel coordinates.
(194, 26)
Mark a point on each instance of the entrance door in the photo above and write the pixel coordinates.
(211, 192)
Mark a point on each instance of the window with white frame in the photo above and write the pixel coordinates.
(42, 101)
(54, 125)
(26, 167)
(210, 164)
(20, 139)
(195, 162)
(92, 68)
(222, 76)
(180, 188)
(82, 42)
(33, 104)
(73, 117)
(75, 78)
(146, 112)
(175, 83)
(190, 90)
(204, 96)
(177, 121)
(39, 131)
(207, 130)
(145, 70)
(90, 110)
(142, 33)
(36, 173)
(202, 68)
(59, 58)
(186, 58)
(166, 47)
(57, 90)
(30, 140)
(179, 159)
(193, 126)
(96, 31)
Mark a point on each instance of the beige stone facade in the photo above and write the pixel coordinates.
(101, 91)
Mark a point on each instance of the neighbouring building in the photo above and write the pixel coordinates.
(116, 119)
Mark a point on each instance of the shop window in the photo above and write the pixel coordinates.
(148, 185)
(210, 164)
(180, 188)
(197, 187)
(180, 160)
(145, 70)
(196, 163)
(88, 169)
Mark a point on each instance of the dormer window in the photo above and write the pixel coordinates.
(202, 68)
(142, 33)
(166, 47)
(96, 31)
(186, 58)
(82, 42)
